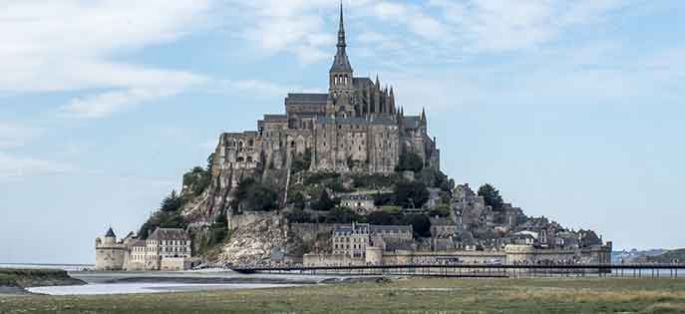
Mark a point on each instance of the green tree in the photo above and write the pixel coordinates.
(382, 199)
(162, 219)
(254, 196)
(409, 161)
(342, 215)
(299, 216)
(171, 203)
(210, 162)
(325, 202)
(302, 161)
(441, 210)
(491, 196)
(298, 200)
(420, 223)
(411, 194)
(384, 218)
(197, 180)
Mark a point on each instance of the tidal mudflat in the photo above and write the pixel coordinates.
(445, 295)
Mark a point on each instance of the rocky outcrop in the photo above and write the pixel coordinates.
(255, 239)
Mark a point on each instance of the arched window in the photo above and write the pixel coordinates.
(250, 143)
(249, 159)
(240, 159)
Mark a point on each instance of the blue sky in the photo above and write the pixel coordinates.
(573, 109)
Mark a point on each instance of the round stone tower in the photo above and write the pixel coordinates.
(109, 254)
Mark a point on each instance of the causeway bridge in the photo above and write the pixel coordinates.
(480, 270)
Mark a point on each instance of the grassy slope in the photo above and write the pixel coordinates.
(35, 277)
(418, 296)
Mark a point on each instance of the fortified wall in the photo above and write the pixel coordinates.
(511, 255)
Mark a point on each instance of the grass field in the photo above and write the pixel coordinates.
(35, 277)
(592, 295)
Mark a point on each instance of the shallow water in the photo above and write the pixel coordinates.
(128, 288)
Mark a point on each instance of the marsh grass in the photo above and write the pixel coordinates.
(35, 277)
(589, 295)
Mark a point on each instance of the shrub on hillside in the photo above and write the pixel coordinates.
(254, 196)
(409, 161)
(325, 202)
(411, 194)
(197, 180)
(343, 215)
(420, 223)
(491, 196)
(375, 181)
(300, 216)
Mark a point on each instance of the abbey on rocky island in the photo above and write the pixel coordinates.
(355, 127)
(343, 178)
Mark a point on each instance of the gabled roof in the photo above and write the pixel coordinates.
(381, 120)
(275, 118)
(391, 228)
(166, 234)
(411, 122)
(362, 81)
(309, 98)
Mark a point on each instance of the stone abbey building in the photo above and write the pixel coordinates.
(355, 127)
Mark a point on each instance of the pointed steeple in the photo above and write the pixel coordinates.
(341, 62)
(423, 115)
(378, 82)
(341, 28)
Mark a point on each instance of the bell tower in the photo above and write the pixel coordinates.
(341, 87)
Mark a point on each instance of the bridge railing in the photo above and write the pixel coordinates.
(480, 270)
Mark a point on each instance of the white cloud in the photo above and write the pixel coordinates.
(105, 104)
(294, 26)
(413, 17)
(260, 88)
(70, 45)
(17, 168)
(14, 135)
(503, 25)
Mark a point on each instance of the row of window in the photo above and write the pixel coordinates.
(175, 242)
(340, 79)
(354, 246)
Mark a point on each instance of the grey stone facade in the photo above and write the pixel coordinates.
(355, 127)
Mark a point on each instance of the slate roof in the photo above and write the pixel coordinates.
(110, 233)
(356, 120)
(412, 122)
(275, 117)
(307, 99)
(361, 81)
(397, 245)
(391, 229)
(347, 229)
(138, 243)
(356, 197)
(166, 234)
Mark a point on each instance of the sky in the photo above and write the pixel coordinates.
(573, 109)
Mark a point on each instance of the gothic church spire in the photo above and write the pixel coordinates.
(341, 62)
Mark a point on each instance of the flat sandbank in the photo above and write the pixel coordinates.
(419, 295)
